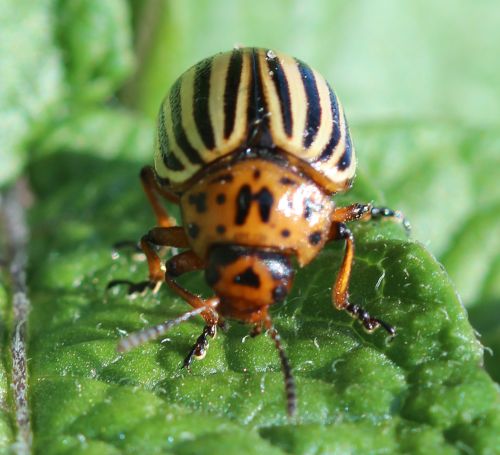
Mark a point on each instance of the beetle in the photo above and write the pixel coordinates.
(252, 144)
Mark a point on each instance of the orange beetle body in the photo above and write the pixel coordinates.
(252, 145)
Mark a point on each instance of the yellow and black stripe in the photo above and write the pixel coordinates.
(253, 98)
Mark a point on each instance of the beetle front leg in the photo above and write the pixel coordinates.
(365, 212)
(185, 262)
(199, 349)
(160, 236)
(340, 292)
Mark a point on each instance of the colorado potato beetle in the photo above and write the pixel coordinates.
(252, 144)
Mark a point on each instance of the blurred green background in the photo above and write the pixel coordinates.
(419, 81)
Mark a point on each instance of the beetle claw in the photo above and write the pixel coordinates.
(136, 288)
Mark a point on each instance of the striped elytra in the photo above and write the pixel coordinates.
(251, 98)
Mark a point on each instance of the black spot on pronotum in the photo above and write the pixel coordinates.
(220, 229)
(248, 278)
(199, 200)
(285, 233)
(220, 198)
(193, 230)
(315, 238)
(256, 174)
(265, 199)
(243, 201)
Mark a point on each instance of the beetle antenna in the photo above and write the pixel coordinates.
(291, 397)
(143, 336)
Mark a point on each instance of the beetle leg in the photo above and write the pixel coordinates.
(185, 262)
(182, 263)
(152, 190)
(367, 212)
(199, 350)
(340, 292)
(159, 236)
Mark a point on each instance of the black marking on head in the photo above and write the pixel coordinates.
(199, 200)
(193, 230)
(287, 181)
(179, 133)
(336, 133)
(285, 233)
(313, 119)
(220, 228)
(256, 174)
(224, 178)
(248, 278)
(220, 198)
(201, 112)
(279, 293)
(283, 90)
(315, 238)
(231, 91)
(169, 159)
(243, 201)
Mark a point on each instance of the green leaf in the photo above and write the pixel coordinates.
(357, 392)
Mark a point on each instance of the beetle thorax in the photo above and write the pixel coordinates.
(257, 203)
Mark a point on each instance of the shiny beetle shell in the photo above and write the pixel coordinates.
(248, 98)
